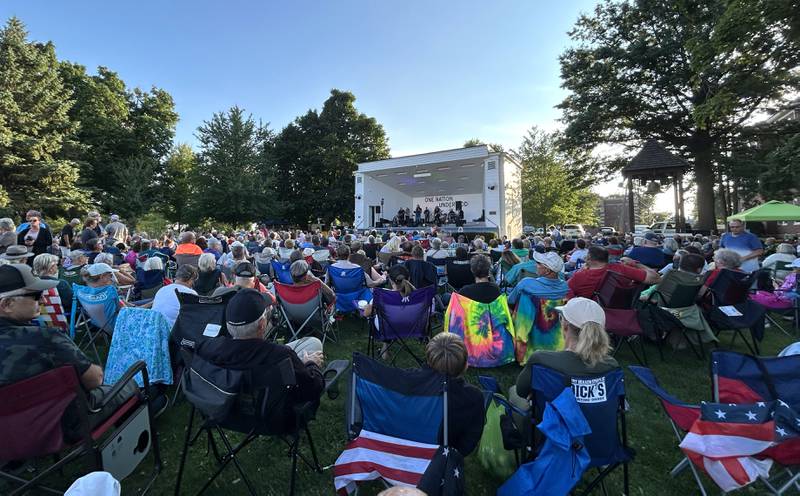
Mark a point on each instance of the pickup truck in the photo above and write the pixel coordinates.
(666, 229)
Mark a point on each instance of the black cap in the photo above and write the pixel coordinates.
(247, 306)
(245, 269)
(18, 279)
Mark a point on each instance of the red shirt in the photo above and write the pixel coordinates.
(586, 281)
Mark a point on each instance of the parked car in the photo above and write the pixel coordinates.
(573, 231)
(607, 231)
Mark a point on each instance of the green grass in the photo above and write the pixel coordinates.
(266, 462)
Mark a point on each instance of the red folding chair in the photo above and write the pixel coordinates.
(302, 306)
(617, 295)
(30, 427)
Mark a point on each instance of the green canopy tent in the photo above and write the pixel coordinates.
(772, 210)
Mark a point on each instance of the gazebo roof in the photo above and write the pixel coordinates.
(653, 158)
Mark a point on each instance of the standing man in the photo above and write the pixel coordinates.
(417, 215)
(746, 244)
(68, 236)
(117, 231)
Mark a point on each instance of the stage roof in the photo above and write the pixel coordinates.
(457, 171)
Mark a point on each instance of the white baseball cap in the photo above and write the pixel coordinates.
(99, 269)
(579, 311)
(549, 259)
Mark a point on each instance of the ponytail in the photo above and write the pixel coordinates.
(592, 344)
(403, 285)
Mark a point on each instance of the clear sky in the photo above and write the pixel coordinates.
(434, 73)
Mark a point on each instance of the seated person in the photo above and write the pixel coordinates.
(27, 350)
(578, 255)
(483, 290)
(446, 353)
(422, 273)
(166, 301)
(245, 278)
(458, 270)
(302, 276)
(436, 250)
(359, 257)
(124, 275)
(210, 276)
(548, 285)
(587, 349)
(649, 253)
(723, 259)
(518, 248)
(585, 281)
(513, 274)
(187, 245)
(45, 266)
(372, 278)
(248, 323)
(784, 296)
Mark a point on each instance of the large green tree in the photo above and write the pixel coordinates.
(689, 73)
(233, 174)
(317, 154)
(549, 196)
(177, 190)
(34, 127)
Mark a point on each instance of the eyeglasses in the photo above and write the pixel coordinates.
(34, 296)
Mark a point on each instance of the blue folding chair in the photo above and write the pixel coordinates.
(389, 410)
(282, 271)
(349, 286)
(95, 310)
(602, 401)
(398, 318)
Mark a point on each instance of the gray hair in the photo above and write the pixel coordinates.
(155, 263)
(43, 263)
(727, 258)
(214, 242)
(75, 254)
(186, 272)
(245, 331)
(436, 243)
(782, 248)
(298, 270)
(480, 266)
(106, 258)
(207, 262)
(7, 224)
(186, 237)
(671, 244)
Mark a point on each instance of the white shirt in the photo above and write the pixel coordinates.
(166, 301)
(579, 254)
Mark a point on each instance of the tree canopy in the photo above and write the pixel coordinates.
(688, 73)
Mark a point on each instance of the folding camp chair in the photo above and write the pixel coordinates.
(251, 402)
(31, 427)
(679, 289)
(147, 284)
(486, 328)
(140, 334)
(421, 273)
(602, 401)
(618, 295)
(681, 416)
(458, 274)
(301, 307)
(52, 312)
(282, 271)
(732, 289)
(95, 310)
(72, 274)
(387, 259)
(399, 318)
(184, 259)
(396, 423)
(739, 378)
(537, 326)
(350, 286)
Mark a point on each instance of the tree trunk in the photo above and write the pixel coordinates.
(701, 148)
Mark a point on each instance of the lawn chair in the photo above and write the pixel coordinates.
(486, 328)
(618, 295)
(51, 311)
(73, 274)
(185, 259)
(282, 271)
(458, 274)
(732, 289)
(398, 318)
(387, 259)
(140, 334)
(31, 428)
(421, 273)
(301, 307)
(537, 326)
(147, 284)
(739, 378)
(604, 409)
(350, 286)
(396, 424)
(95, 310)
(679, 290)
(681, 416)
(249, 402)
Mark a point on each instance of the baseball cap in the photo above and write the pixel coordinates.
(99, 269)
(16, 252)
(18, 279)
(248, 305)
(579, 311)
(549, 259)
(651, 236)
(244, 269)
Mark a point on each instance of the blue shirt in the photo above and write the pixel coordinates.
(543, 287)
(650, 256)
(743, 244)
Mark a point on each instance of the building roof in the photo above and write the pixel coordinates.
(653, 158)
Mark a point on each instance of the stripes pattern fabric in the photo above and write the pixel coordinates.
(372, 456)
(52, 311)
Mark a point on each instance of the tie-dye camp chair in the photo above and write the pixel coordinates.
(486, 328)
(537, 326)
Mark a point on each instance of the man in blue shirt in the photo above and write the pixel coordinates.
(649, 254)
(746, 244)
(548, 285)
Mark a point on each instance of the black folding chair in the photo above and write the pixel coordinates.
(731, 290)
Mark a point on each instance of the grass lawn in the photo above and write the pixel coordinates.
(266, 462)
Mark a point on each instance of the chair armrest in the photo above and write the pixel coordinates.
(130, 374)
(331, 374)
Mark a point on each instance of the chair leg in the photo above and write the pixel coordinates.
(626, 479)
(293, 454)
(185, 452)
(313, 448)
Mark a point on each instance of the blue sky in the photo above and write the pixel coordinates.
(433, 73)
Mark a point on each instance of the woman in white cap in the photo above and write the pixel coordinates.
(586, 346)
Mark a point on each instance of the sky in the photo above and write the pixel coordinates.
(433, 73)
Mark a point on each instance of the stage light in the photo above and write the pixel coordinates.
(422, 174)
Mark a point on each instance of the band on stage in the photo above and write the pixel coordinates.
(419, 217)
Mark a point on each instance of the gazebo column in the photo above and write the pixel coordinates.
(676, 194)
(681, 200)
(631, 213)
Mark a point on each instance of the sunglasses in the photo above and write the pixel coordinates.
(34, 296)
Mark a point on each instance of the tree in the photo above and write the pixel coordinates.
(493, 147)
(548, 195)
(317, 154)
(34, 127)
(134, 190)
(688, 73)
(177, 190)
(232, 177)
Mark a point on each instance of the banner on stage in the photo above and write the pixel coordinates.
(471, 203)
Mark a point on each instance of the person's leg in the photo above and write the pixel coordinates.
(522, 404)
(309, 344)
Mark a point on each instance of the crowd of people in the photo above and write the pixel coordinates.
(36, 258)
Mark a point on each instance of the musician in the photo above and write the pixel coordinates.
(427, 215)
(401, 217)
(408, 216)
(437, 215)
(460, 216)
(417, 214)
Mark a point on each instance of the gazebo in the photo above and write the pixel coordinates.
(655, 166)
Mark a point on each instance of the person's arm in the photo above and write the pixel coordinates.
(753, 254)
(327, 293)
(524, 379)
(92, 378)
(652, 276)
(308, 375)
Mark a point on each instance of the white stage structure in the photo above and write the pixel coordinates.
(486, 183)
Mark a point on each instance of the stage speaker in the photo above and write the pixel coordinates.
(458, 204)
